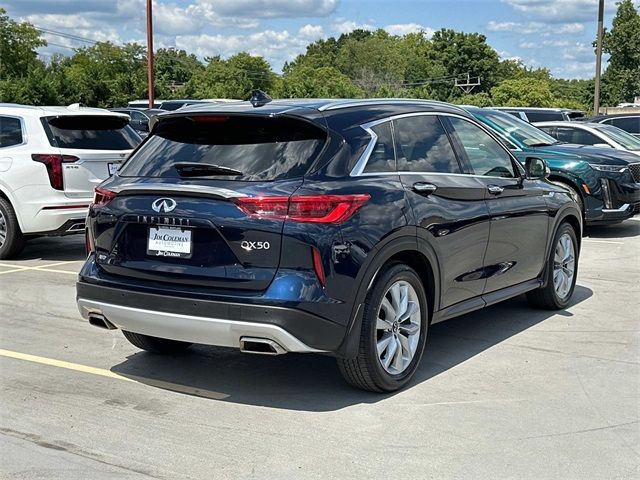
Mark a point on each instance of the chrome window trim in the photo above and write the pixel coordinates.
(358, 168)
(23, 129)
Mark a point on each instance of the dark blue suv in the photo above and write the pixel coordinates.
(343, 227)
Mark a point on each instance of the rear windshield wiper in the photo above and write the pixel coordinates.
(196, 169)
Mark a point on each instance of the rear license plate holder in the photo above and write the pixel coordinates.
(169, 242)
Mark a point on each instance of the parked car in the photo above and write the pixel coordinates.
(595, 134)
(144, 103)
(140, 118)
(343, 227)
(604, 182)
(171, 105)
(51, 158)
(629, 122)
(532, 114)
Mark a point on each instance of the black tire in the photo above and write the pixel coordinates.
(365, 371)
(575, 194)
(13, 241)
(546, 297)
(155, 344)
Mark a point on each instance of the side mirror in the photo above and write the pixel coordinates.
(604, 145)
(536, 168)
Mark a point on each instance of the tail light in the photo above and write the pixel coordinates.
(54, 163)
(304, 208)
(101, 197)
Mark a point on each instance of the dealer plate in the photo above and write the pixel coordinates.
(174, 242)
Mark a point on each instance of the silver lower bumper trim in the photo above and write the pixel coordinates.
(622, 209)
(187, 328)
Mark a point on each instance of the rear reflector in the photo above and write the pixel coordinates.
(88, 242)
(304, 208)
(101, 197)
(317, 266)
(54, 163)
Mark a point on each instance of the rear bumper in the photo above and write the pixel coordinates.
(208, 322)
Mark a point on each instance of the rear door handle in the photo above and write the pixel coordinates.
(495, 189)
(425, 189)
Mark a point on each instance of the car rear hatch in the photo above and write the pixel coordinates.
(188, 206)
(91, 148)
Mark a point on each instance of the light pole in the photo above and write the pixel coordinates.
(150, 52)
(596, 93)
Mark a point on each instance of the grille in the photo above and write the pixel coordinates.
(634, 168)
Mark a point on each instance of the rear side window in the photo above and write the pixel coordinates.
(382, 158)
(260, 148)
(10, 131)
(630, 124)
(485, 155)
(86, 132)
(422, 145)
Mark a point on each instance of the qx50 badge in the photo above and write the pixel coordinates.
(163, 205)
(248, 246)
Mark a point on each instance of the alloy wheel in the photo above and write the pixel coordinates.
(3, 229)
(563, 266)
(398, 327)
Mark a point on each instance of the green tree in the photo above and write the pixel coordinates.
(18, 44)
(523, 92)
(323, 82)
(173, 68)
(621, 80)
(232, 78)
(481, 99)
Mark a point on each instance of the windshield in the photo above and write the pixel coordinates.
(618, 135)
(516, 131)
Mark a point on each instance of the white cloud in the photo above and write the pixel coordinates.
(558, 11)
(271, 8)
(405, 28)
(528, 45)
(342, 25)
(311, 32)
(535, 27)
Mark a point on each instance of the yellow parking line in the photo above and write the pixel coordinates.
(42, 269)
(62, 364)
(11, 271)
(175, 387)
(38, 268)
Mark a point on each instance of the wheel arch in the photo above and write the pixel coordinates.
(407, 250)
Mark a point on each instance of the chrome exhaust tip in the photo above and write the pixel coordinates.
(98, 320)
(261, 346)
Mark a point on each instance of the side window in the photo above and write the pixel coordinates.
(630, 124)
(486, 157)
(382, 158)
(422, 145)
(10, 132)
(564, 134)
(579, 136)
(137, 116)
(550, 130)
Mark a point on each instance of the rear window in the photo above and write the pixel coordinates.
(259, 148)
(85, 132)
(544, 116)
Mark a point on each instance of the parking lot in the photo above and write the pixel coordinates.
(508, 392)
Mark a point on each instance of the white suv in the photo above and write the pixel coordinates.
(51, 158)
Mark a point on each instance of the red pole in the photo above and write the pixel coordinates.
(150, 52)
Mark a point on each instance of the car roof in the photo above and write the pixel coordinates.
(560, 123)
(45, 111)
(597, 118)
(537, 109)
(335, 113)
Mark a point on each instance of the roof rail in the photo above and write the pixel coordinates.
(348, 103)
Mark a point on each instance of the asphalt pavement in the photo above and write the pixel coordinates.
(507, 392)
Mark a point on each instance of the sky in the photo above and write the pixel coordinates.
(555, 34)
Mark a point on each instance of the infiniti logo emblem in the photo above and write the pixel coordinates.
(165, 205)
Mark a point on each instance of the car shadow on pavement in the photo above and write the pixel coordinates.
(54, 249)
(629, 228)
(312, 382)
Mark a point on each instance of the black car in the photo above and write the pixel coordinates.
(539, 114)
(140, 118)
(343, 227)
(629, 122)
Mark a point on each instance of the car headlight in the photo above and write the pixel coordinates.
(610, 168)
